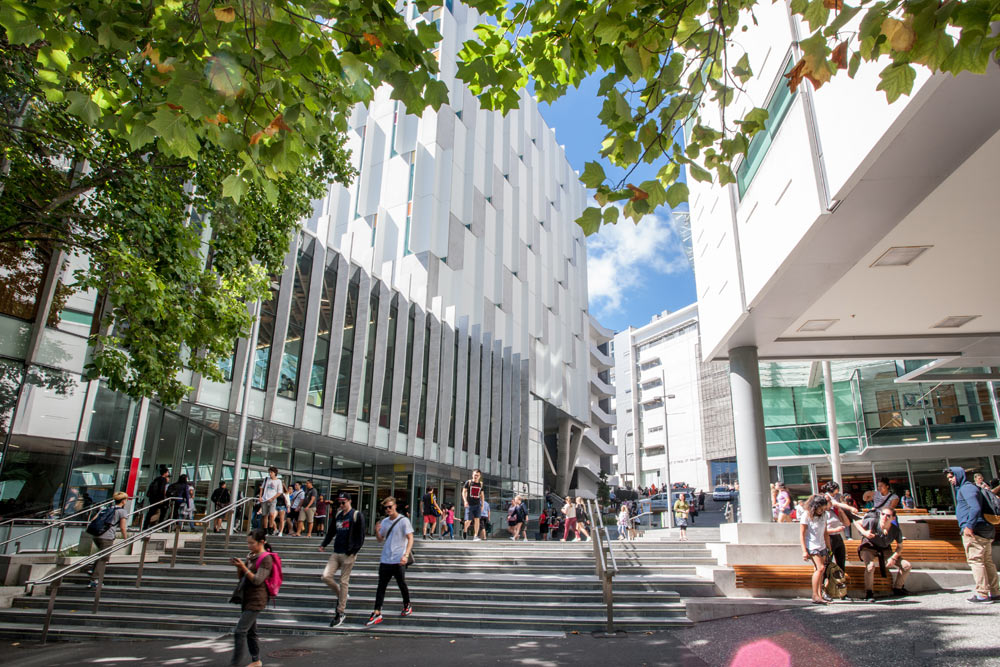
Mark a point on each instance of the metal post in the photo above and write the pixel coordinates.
(62, 536)
(244, 411)
(177, 538)
(48, 539)
(17, 547)
(993, 406)
(666, 458)
(53, 591)
(204, 538)
(609, 601)
(102, 566)
(142, 562)
(831, 424)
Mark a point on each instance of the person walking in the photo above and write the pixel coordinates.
(269, 492)
(784, 503)
(977, 536)
(102, 530)
(449, 520)
(307, 511)
(430, 510)
(295, 500)
(582, 519)
(220, 498)
(347, 532)
(187, 508)
(837, 521)
(322, 513)
(701, 500)
(682, 510)
(156, 493)
(815, 541)
(473, 496)
(516, 517)
(485, 525)
(281, 504)
(623, 520)
(569, 511)
(878, 531)
(253, 573)
(543, 524)
(397, 533)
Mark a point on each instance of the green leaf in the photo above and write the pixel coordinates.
(175, 132)
(593, 175)
(897, 80)
(816, 15)
(699, 174)
(842, 18)
(677, 194)
(83, 107)
(590, 221)
(611, 215)
(234, 187)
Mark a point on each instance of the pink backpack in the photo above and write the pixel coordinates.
(273, 581)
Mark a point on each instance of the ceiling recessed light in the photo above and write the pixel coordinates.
(817, 325)
(901, 255)
(979, 435)
(954, 321)
(909, 439)
(943, 437)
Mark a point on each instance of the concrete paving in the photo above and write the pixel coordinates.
(923, 630)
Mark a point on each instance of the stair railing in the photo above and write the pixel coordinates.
(50, 525)
(54, 579)
(606, 568)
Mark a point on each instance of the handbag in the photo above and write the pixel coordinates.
(239, 592)
(409, 559)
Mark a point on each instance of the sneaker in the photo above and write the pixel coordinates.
(978, 600)
(869, 596)
(338, 620)
(407, 610)
(513, 539)
(900, 592)
(92, 584)
(374, 619)
(995, 597)
(476, 539)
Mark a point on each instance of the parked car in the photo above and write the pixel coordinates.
(722, 494)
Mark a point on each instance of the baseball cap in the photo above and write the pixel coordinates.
(343, 495)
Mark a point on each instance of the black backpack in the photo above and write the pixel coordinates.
(104, 520)
(990, 505)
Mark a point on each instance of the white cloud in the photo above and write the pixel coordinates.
(622, 257)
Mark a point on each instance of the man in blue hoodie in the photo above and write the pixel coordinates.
(977, 536)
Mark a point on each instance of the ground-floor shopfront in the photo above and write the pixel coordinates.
(917, 469)
(69, 443)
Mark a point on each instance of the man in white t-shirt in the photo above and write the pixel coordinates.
(269, 492)
(397, 533)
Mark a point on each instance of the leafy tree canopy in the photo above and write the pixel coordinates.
(177, 145)
(663, 60)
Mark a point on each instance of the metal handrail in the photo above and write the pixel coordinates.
(54, 579)
(606, 575)
(55, 523)
(146, 508)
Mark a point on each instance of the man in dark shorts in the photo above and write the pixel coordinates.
(431, 511)
(473, 495)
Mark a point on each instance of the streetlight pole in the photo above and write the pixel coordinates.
(666, 453)
(247, 386)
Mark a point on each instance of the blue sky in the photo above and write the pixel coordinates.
(633, 271)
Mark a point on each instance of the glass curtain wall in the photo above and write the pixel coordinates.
(364, 410)
(265, 338)
(317, 379)
(390, 355)
(347, 350)
(404, 405)
(422, 419)
(288, 376)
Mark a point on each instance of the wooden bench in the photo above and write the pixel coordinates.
(943, 529)
(919, 551)
(799, 576)
(905, 512)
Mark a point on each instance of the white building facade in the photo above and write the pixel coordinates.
(665, 405)
(847, 214)
(431, 319)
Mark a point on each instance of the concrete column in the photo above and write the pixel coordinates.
(831, 424)
(562, 457)
(748, 425)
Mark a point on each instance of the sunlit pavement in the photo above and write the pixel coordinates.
(931, 630)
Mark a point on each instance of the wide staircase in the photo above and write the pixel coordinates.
(492, 588)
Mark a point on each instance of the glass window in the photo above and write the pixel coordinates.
(364, 412)
(454, 393)
(265, 338)
(347, 350)
(321, 465)
(317, 380)
(390, 355)
(404, 405)
(930, 487)
(302, 461)
(22, 273)
(468, 396)
(422, 419)
(777, 109)
(99, 464)
(288, 376)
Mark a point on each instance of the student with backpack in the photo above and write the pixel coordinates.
(978, 513)
(347, 532)
(102, 530)
(260, 579)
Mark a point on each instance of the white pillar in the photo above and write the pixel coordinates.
(748, 426)
(831, 424)
(244, 413)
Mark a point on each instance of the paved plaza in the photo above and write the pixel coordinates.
(933, 629)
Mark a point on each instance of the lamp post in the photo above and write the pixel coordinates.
(666, 453)
(245, 408)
